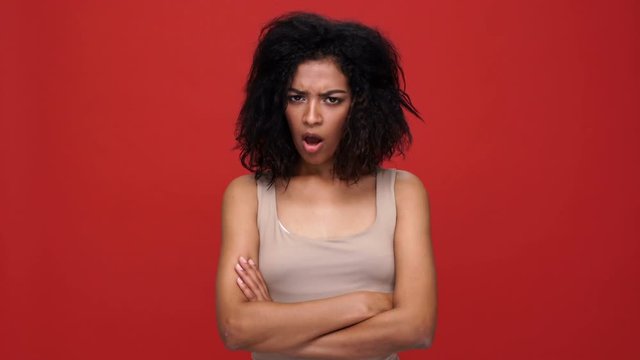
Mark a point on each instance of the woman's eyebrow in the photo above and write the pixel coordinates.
(326, 93)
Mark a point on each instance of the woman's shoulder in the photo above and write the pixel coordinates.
(408, 185)
(242, 188)
(242, 182)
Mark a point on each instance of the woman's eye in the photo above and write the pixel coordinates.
(333, 100)
(296, 98)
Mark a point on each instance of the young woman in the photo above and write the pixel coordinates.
(325, 254)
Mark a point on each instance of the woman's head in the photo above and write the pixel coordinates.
(318, 103)
(374, 126)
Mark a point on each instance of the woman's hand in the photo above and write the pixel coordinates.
(250, 280)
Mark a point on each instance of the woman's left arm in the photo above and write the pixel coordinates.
(412, 321)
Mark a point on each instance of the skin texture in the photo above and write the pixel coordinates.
(355, 325)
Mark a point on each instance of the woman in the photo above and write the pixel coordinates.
(324, 254)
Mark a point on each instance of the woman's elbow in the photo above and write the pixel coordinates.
(230, 330)
(423, 342)
(423, 336)
(415, 334)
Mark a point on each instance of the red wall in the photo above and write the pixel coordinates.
(116, 135)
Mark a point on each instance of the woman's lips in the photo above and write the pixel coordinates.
(312, 143)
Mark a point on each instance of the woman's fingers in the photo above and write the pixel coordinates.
(252, 277)
(249, 282)
(262, 281)
(251, 268)
(245, 290)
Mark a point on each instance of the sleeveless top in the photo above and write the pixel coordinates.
(297, 268)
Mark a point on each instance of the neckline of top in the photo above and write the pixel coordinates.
(370, 228)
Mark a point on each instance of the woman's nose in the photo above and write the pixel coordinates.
(312, 115)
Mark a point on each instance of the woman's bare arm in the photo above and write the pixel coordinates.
(267, 326)
(412, 321)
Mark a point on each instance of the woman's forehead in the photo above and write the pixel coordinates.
(319, 75)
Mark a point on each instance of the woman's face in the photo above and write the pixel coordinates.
(318, 102)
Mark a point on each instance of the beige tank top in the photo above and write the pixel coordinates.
(297, 268)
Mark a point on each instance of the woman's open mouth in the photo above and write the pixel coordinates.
(312, 143)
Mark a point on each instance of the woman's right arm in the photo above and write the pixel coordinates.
(266, 326)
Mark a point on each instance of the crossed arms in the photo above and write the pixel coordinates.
(354, 325)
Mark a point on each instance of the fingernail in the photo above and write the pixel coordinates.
(242, 259)
(240, 281)
(251, 262)
(239, 267)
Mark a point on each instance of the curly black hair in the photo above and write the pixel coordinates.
(375, 129)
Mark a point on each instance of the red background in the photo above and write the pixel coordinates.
(116, 139)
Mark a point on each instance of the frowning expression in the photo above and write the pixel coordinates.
(318, 103)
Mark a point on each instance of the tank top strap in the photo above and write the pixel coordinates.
(386, 199)
(266, 206)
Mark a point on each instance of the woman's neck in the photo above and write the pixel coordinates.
(322, 171)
